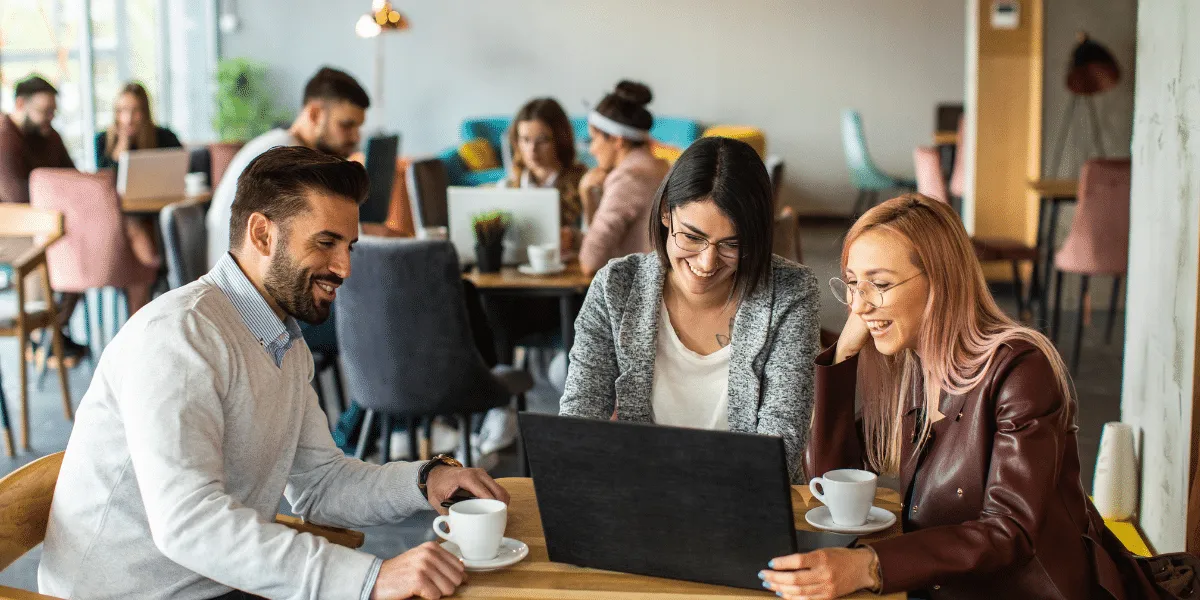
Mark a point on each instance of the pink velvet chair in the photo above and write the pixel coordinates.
(1098, 243)
(930, 183)
(94, 252)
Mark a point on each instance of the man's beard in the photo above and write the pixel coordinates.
(32, 130)
(292, 288)
(325, 148)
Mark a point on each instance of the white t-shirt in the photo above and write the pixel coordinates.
(690, 390)
(221, 206)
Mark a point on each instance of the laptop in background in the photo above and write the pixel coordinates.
(691, 504)
(380, 159)
(155, 173)
(534, 214)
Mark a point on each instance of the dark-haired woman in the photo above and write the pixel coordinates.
(543, 156)
(709, 330)
(617, 194)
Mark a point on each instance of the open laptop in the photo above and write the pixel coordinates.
(534, 214)
(691, 504)
(157, 173)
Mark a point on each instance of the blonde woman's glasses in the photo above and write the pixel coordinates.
(869, 292)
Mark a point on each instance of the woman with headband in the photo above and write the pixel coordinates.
(618, 193)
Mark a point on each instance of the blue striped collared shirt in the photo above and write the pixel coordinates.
(276, 336)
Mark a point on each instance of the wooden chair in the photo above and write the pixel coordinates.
(787, 235)
(25, 496)
(17, 223)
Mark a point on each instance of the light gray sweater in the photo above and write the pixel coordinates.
(775, 339)
(181, 449)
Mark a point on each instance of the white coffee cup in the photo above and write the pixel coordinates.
(195, 183)
(848, 493)
(432, 233)
(476, 527)
(543, 257)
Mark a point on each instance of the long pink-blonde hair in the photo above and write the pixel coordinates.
(961, 330)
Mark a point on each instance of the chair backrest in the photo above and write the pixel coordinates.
(428, 181)
(1100, 227)
(25, 496)
(94, 251)
(492, 129)
(185, 241)
(200, 161)
(787, 235)
(219, 156)
(381, 172)
(404, 334)
(928, 164)
(774, 165)
(863, 172)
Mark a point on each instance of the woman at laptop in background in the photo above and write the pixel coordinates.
(543, 156)
(709, 330)
(133, 128)
(974, 413)
(617, 194)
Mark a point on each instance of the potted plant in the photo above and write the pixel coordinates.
(245, 108)
(490, 228)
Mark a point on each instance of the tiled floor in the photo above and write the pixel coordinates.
(1098, 383)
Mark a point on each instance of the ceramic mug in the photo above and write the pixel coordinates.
(543, 257)
(848, 493)
(476, 527)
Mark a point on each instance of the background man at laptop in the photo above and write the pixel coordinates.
(205, 416)
(333, 111)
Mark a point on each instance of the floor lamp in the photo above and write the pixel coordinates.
(1092, 71)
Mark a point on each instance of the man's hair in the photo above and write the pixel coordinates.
(276, 184)
(335, 85)
(34, 85)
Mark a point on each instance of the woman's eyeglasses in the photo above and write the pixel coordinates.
(869, 292)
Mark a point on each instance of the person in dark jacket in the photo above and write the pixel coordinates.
(975, 415)
(133, 128)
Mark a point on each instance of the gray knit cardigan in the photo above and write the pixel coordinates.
(775, 339)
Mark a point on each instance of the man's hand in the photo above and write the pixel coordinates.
(444, 480)
(427, 571)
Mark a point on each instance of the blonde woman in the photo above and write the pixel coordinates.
(133, 128)
(975, 415)
(543, 156)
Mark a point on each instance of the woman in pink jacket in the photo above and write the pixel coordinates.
(618, 194)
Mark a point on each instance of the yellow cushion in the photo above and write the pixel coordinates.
(666, 152)
(751, 135)
(1128, 534)
(478, 155)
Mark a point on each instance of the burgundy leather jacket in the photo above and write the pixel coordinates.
(994, 507)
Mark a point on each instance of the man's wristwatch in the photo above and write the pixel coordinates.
(436, 461)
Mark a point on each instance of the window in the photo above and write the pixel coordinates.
(43, 37)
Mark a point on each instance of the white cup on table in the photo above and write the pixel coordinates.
(543, 257)
(476, 527)
(195, 184)
(848, 493)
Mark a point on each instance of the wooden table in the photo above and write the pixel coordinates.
(1052, 193)
(565, 286)
(538, 578)
(153, 206)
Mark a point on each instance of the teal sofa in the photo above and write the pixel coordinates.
(674, 131)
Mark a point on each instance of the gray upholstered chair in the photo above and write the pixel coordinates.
(427, 185)
(407, 345)
(185, 242)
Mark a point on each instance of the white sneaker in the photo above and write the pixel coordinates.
(498, 431)
(445, 441)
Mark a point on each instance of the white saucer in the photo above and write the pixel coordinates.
(877, 520)
(511, 552)
(554, 269)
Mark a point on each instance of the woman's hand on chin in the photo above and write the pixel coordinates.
(854, 336)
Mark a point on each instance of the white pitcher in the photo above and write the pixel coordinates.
(1115, 486)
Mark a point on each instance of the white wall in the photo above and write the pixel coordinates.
(1158, 390)
(787, 66)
